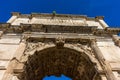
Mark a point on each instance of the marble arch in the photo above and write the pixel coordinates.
(99, 44)
(74, 63)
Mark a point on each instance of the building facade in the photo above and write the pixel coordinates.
(36, 45)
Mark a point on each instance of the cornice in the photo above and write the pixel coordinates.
(70, 16)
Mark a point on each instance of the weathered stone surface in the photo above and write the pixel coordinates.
(35, 45)
(3, 64)
(110, 51)
(7, 51)
(2, 74)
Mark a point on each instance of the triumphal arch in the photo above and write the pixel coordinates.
(36, 45)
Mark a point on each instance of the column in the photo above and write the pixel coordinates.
(106, 67)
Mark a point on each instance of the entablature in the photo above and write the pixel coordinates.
(7, 27)
(54, 37)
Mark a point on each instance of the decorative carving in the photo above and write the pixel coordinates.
(33, 46)
(58, 61)
(60, 42)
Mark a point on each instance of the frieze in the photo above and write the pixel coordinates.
(54, 38)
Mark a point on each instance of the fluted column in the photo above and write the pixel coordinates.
(106, 67)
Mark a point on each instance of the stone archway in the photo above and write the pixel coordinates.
(57, 61)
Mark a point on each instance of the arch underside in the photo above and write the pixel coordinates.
(54, 61)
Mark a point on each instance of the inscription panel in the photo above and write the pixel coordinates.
(58, 21)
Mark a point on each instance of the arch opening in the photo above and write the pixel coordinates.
(52, 77)
(54, 61)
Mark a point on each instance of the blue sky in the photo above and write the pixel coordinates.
(108, 8)
(62, 77)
